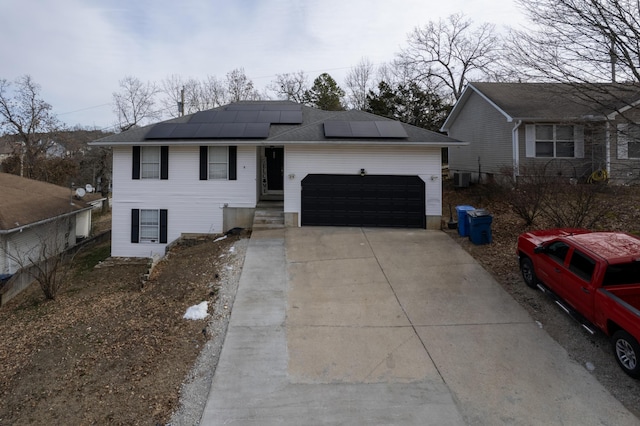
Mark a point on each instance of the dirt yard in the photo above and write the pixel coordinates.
(109, 349)
(112, 351)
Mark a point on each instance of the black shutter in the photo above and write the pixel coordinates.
(135, 225)
(163, 226)
(164, 162)
(204, 163)
(136, 163)
(233, 167)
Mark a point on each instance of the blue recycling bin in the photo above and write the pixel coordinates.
(480, 226)
(463, 221)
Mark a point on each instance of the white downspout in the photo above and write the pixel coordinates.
(608, 148)
(516, 150)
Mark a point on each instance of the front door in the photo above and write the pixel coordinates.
(275, 168)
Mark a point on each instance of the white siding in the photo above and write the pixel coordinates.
(193, 206)
(21, 248)
(334, 159)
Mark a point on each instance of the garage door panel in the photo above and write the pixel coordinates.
(369, 201)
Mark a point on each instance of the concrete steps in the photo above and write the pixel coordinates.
(269, 215)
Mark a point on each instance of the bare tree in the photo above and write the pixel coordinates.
(578, 41)
(135, 102)
(450, 51)
(212, 93)
(359, 82)
(26, 116)
(291, 87)
(239, 87)
(47, 260)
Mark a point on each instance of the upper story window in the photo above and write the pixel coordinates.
(628, 141)
(150, 162)
(554, 141)
(218, 162)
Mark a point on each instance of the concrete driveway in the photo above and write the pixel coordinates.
(376, 326)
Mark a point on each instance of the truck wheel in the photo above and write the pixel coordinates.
(528, 274)
(627, 352)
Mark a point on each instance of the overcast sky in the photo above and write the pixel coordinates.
(78, 50)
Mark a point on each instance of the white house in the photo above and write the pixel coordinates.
(205, 173)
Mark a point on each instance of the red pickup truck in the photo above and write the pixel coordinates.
(593, 276)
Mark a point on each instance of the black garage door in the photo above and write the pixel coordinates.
(370, 200)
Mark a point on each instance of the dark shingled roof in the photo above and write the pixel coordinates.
(311, 130)
(557, 101)
(25, 201)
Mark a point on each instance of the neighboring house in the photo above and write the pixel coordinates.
(7, 148)
(205, 173)
(37, 220)
(573, 130)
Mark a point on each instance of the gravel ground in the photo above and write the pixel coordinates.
(195, 390)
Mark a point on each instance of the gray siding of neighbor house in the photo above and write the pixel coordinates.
(489, 136)
(593, 159)
(623, 170)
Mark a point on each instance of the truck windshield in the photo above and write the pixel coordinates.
(622, 273)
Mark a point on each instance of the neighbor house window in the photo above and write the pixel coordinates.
(218, 162)
(554, 141)
(148, 226)
(628, 141)
(150, 162)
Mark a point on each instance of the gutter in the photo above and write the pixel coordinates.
(41, 222)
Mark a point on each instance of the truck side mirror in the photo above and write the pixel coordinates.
(539, 249)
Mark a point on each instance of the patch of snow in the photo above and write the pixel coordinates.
(197, 312)
(220, 239)
(232, 249)
(590, 366)
(539, 324)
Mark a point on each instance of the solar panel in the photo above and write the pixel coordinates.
(290, 117)
(209, 130)
(256, 131)
(224, 117)
(247, 117)
(268, 117)
(364, 129)
(337, 129)
(185, 131)
(283, 107)
(160, 131)
(232, 130)
(203, 117)
(391, 129)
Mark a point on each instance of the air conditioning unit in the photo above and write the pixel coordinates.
(461, 180)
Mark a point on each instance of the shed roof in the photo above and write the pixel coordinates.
(26, 201)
